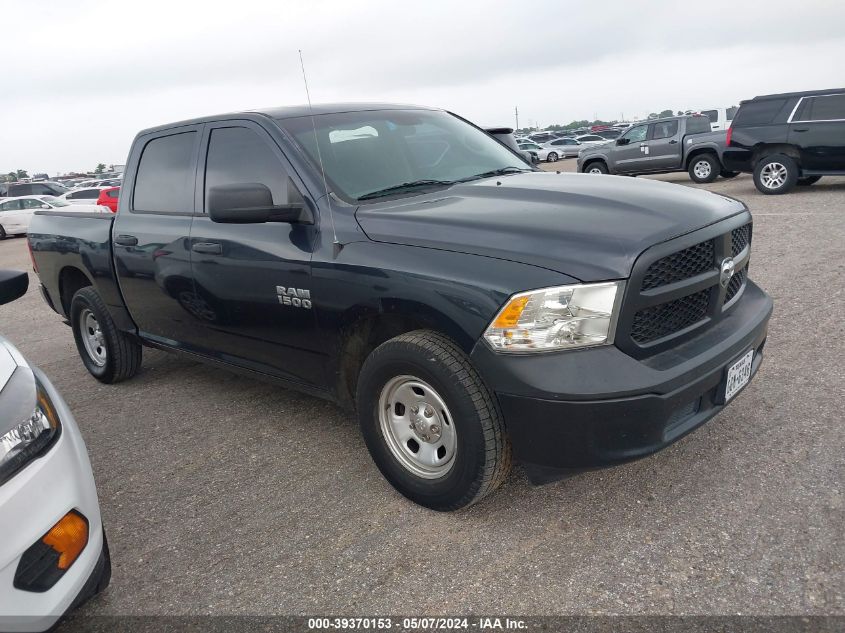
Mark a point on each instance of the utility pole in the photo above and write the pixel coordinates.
(516, 114)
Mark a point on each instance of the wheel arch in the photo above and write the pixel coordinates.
(71, 280)
(594, 159)
(767, 149)
(698, 152)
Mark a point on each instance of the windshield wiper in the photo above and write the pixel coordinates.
(404, 187)
(502, 171)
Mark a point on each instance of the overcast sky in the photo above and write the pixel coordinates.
(81, 77)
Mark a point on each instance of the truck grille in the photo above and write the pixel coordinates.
(682, 265)
(675, 290)
(672, 316)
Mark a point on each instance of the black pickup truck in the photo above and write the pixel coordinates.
(400, 261)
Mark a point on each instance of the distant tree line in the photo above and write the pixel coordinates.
(574, 125)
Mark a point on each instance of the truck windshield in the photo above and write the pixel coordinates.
(368, 154)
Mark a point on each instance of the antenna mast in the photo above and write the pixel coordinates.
(335, 241)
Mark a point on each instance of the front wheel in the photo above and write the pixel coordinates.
(552, 157)
(808, 180)
(107, 353)
(2, 233)
(596, 168)
(776, 174)
(431, 425)
(704, 168)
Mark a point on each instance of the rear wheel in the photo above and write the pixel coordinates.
(431, 425)
(552, 157)
(597, 167)
(808, 180)
(775, 174)
(2, 233)
(704, 168)
(107, 353)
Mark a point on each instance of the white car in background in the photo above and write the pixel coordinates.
(565, 147)
(16, 213)
(543, 153)
(588, 140)
(53, 550)
(83, 195)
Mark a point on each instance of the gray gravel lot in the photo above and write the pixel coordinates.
(226, 496)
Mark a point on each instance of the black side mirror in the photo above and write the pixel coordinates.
(252, 203)
(13, 285)
(623, 141)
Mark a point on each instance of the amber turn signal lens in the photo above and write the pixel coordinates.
(509, 316)
(68, 537)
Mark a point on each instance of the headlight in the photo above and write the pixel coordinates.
(565, 317)
(27, 438)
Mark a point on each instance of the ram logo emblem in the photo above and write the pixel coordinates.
(295, 297)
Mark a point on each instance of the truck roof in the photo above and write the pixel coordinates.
(289, 112)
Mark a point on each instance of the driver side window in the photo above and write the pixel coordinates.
(636, 134)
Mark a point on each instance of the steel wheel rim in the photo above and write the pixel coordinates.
(595, 170)
(773, 175)
(417, 426)
(702, 169)
(92, 337)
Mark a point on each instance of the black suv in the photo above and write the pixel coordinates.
(788, 139)
(49, 188)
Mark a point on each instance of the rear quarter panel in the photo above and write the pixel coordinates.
(74, 240)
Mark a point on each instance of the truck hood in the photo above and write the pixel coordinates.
(589, 227)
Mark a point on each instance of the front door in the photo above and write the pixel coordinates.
(630, 155)
(253, 281)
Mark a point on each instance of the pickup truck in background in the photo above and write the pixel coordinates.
(403, 263)
(660, 146)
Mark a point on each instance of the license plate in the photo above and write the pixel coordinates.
(738, 375)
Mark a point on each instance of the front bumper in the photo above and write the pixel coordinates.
(31, 502)
(584, 409)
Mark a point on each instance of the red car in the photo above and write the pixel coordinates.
(108, 198)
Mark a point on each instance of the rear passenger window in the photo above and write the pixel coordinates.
(698, 124)
(165, 180)
(665, 129)
(828, 108)
(758, 112)
(237, 155)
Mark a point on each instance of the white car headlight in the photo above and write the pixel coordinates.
(565, 317)
(21, 441)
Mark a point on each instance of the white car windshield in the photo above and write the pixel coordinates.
(372, 153)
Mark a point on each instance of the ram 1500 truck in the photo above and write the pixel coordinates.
(400, 261)
(660, 146)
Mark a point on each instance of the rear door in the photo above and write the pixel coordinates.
(253, 281)
(817, 127)
(10, 214)
(664, 146)
(151, 232)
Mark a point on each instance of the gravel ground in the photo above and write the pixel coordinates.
(226, 496)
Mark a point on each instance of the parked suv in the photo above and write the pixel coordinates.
(789, 139)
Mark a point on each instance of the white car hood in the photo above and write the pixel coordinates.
(17, 385)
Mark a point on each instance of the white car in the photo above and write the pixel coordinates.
(588, 139)
(53, 551)
(543, 153)
(565, 147)
(83, 195)
(16, 213)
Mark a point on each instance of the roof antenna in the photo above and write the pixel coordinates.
(337, 245)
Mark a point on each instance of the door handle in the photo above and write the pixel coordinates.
(126, 240)
(800, 129)
(208, 248)
(674, 141)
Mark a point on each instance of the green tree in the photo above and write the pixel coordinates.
(22, 173)
(101, 167)
(680, 113)
(665, 113)
(12, 176)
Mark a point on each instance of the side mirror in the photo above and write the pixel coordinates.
(623, 141)
(252, 203)
(44, 206)
(13, 285)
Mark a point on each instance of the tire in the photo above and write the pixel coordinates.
(458, 424)
(108, 354)
(775, 174)
(704, 168)
(552, 157)
(808, 180)
(729, 174)
(2, 233)
(597, 167)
